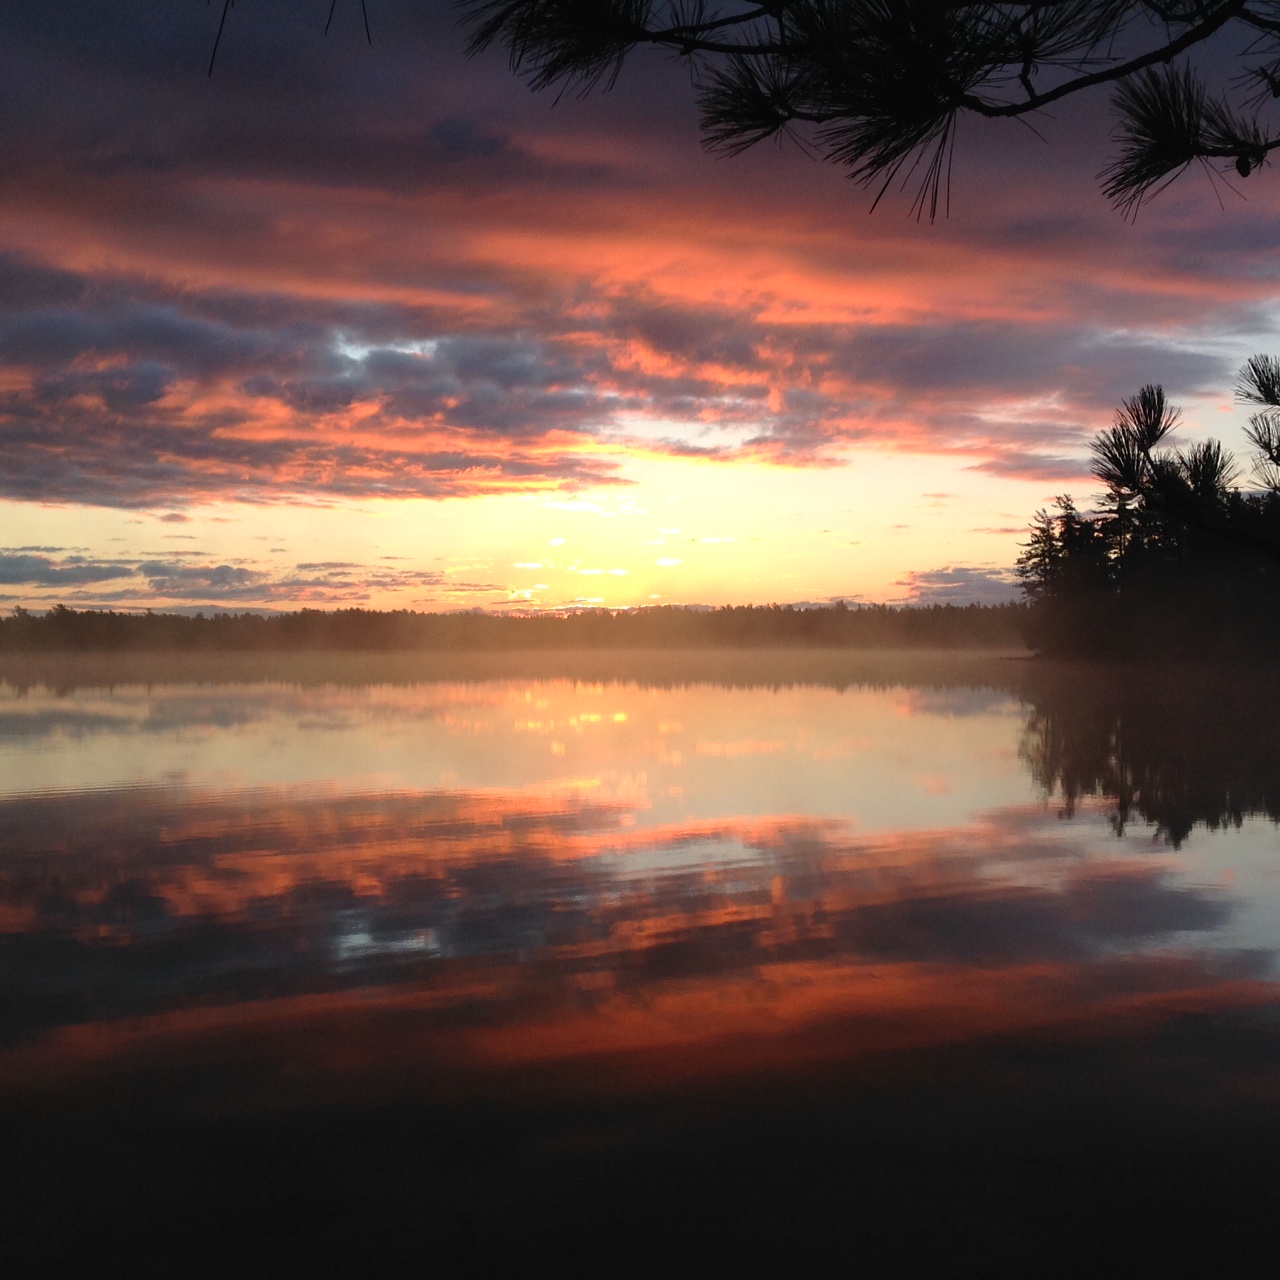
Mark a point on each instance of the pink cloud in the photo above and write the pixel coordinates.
(299, 280)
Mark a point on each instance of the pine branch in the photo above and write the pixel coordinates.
(881, 84)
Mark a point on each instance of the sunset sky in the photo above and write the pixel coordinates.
(349, 325)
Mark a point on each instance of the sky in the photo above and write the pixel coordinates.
(374, 325)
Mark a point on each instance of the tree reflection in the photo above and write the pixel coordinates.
(1176, 747)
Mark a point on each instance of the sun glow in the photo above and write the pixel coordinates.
(682, 531)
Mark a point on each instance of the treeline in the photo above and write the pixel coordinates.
(1137, 584)
(662, 627)
(1179, 560)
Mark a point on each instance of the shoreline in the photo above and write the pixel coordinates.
(741, 666)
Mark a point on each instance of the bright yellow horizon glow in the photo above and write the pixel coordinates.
(679, 531)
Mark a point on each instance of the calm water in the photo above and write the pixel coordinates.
(933, 956)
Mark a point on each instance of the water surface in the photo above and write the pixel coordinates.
(944, 934)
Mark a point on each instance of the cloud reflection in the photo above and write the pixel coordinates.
(153, 900)
(707, 878)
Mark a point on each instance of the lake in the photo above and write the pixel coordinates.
(937, 961)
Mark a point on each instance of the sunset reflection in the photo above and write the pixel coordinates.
(324, 960)
(701, 872)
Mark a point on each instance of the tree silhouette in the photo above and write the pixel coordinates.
(660, 627)
(1176, 545)
(1174, 751)
(1192, 488)
(878, 85)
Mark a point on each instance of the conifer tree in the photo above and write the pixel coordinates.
(878, 86)
(1176, 546)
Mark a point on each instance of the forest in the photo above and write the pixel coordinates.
(62, 629)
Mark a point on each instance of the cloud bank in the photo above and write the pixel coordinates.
(335, 273)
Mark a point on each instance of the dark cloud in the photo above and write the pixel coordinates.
(1022, 464)
(283, 102)
(179, 581)
(25, 285)
(189, 579)
(138, 333)
(41, 570)
(120, 389)
(462, 137)
(705, 336)
(1016, 357)
(960, 585)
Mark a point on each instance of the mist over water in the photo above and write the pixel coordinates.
(600, 909)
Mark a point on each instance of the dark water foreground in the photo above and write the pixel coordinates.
(837, 964)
